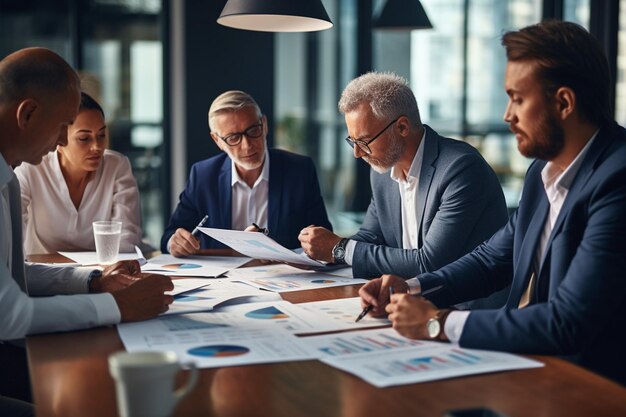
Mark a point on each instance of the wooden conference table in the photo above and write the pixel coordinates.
(69, 376)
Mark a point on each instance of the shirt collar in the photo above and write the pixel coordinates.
(6, 172)
(553, 176)
(415, 167)
(265, 172)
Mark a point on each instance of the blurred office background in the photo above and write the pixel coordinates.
(156, 65)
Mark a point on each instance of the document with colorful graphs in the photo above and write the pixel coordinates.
(211, 341)
(284, 278)
(193, 266)
(258, 246)
(384, 358)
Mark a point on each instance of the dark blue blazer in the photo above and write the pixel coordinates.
(294, 199)
(579, 307)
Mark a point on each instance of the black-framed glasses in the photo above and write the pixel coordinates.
(363, 145)
(233, 139)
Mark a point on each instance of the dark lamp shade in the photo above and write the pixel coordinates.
(402, 15)
(275, 15)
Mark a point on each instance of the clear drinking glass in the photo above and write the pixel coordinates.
(107, 235)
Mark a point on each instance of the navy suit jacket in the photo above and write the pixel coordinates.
(294, 199)
(460, 204)
(579, 307)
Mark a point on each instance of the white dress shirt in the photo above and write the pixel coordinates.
(408, 200)
(51, 221)
(557, 183)
(249, 204)
(21, 314)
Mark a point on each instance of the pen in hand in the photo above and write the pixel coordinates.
(363, 313)
(261, 229)
(196, 230)
(368, 308)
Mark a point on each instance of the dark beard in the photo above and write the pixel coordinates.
(547, 144)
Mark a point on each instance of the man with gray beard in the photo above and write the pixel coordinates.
(439, 202)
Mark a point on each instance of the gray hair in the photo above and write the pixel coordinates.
(387, 94)
(230, 102)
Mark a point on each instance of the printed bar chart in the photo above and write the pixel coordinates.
(453, 359)
(372, 342)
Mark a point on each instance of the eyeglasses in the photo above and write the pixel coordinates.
(363, 145)
(235, 138)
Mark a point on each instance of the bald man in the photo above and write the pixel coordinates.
(39, 98)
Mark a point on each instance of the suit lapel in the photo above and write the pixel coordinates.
(427, 171)
(585, 172)
(274, 194)
(225, 204)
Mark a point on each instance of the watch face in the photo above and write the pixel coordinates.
(433, 327)
(339, 252)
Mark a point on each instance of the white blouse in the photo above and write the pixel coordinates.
(52, 223)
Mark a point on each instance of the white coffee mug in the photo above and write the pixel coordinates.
(144, 382)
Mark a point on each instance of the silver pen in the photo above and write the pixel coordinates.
(196, 230)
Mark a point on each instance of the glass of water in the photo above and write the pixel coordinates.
(107, 235)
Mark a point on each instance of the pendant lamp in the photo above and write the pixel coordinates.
(275, 15)
(402, 15)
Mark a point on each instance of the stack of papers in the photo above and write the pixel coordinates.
(216, 293)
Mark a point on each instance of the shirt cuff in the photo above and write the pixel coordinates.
(82, 278)
(414, 285)
(455, 322)
(106, 308)
(350, 246)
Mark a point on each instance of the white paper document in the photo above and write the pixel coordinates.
(384, 358)
(283, 314)
(193, 266)
(212, 343)
(343, 312)
(257, 245)
(285, 278)
(218, 292)
(91, 258)
(183, 285)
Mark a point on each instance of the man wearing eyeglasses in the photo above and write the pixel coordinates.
(440, 201)
(247, 184)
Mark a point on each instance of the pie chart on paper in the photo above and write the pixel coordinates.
(267, 313)
(322, 281)
(218, 351)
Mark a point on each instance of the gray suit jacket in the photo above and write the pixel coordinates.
(460, 205)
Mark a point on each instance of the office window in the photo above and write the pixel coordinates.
(576, 11)
(116, 47)
(456, 71)
(311, 71)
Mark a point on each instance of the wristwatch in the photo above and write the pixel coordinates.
(339, 251)
(434, 326)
